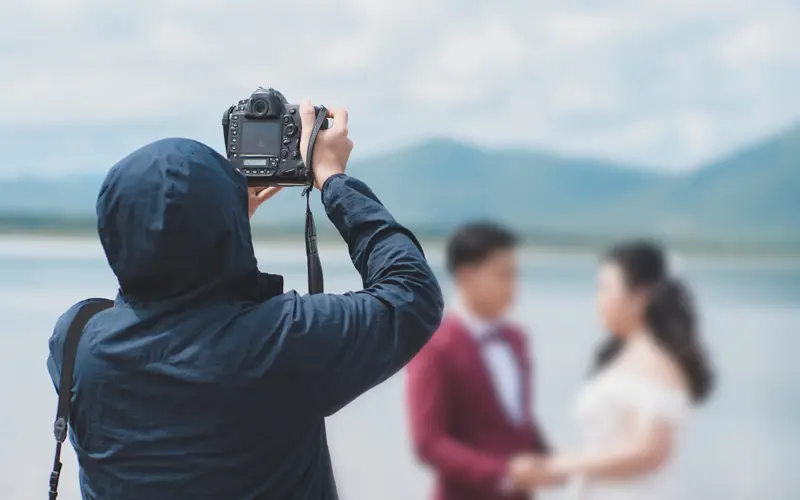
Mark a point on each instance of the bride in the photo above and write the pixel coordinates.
(646, 378)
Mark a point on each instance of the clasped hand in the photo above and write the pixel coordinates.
(529, 471)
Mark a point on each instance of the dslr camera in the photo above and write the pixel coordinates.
(262, 140)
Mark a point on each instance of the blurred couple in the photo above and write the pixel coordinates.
(470, 390)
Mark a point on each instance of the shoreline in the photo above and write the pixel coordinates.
(85, 243)
(547, 240)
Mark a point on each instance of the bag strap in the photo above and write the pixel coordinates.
(85, 313)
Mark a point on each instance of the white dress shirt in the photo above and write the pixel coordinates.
(500, 361)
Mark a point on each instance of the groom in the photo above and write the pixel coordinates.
(469, 390)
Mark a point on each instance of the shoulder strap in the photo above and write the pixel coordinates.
(85, 313)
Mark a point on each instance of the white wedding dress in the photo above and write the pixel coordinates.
(609, 404)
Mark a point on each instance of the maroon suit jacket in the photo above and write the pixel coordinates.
(458, 425)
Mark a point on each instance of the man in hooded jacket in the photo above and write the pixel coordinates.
(205, 380)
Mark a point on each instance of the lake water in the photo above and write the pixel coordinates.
(742, 446)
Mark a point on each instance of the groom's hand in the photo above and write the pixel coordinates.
(525, 471)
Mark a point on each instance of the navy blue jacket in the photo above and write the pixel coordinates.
(206, 381)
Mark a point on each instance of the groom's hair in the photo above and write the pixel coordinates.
(475, 242)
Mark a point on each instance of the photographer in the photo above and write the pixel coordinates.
(205, 380)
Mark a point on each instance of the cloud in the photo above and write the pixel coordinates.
(760, 42)
(465, 61)
(668, 83)
(580, 30)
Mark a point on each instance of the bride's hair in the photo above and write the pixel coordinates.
(669, 314)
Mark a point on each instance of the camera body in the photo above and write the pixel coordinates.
(262, 140)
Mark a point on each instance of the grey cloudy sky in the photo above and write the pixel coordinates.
(665, 83)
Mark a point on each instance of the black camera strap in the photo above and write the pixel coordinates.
(316, 282)
(85, 313)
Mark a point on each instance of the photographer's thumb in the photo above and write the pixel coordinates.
(307, 118)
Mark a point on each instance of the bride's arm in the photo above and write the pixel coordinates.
(647, 449)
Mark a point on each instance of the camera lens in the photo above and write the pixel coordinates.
(259, 107)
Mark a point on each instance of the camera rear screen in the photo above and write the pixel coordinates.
(261, 138)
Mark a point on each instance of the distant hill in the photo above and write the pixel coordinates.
(755, 189)
(751, 196)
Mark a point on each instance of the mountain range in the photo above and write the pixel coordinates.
(749, 197)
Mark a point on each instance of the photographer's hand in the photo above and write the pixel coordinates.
(332, 147)
(258, 195)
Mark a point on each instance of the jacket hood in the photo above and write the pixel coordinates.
(173, 221)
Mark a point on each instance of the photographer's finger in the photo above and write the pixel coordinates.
(339, 116)
(307, 118)
(268, 193)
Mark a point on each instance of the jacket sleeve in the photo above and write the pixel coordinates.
(336, 347)
(540, 442)
(430, 410)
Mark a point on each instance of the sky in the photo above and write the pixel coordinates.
(665, 84)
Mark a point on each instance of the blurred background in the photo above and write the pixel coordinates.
(576, 123)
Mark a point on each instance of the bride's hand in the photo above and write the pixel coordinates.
(540, 474)
(528, 472)
(559, 468)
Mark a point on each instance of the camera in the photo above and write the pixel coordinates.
(262, 140)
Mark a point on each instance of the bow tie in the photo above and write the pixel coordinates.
(496, 334)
